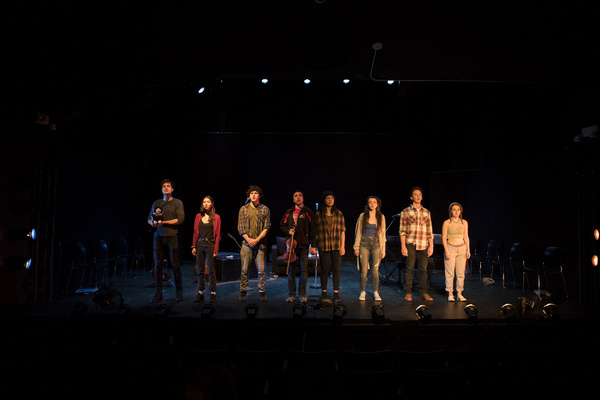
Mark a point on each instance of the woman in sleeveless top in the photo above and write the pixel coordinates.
(455, 237)
(369, 244)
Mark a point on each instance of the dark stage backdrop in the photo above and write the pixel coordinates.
(505, 154)
(109, 195)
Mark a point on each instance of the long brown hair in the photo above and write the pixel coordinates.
(212, 211)
(378, 214)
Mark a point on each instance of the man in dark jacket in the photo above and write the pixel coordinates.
(297, 222)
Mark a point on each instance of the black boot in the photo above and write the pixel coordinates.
(158, 295)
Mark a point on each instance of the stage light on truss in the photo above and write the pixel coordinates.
(346, 81)
(339, 312)
(307, 81)
(472, 312)
(208, 311)
(265, 81)
(16, 263)
(79, 308)
(17, 233)
(299, 311)
(201, 90)
(423, 313)
(509, 311)
(17, 251)
(596, 234)
(251, 310)
(595, 260)
(551, 311)
(162, 311)
(390, 82)
(378, 314)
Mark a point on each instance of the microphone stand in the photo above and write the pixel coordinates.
(236, 242)
(316, 285)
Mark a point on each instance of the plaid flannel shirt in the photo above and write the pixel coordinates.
(330, 240)
(263, 221)
(416, 226)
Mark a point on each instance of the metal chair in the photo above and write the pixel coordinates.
(516, 258)
(552, 263)
(79, 261)
(476, 257)
(125, 258)
(102, 259)
(140, 254)
(494, 257)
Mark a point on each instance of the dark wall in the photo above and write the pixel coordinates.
(500, 150)
(503, 150)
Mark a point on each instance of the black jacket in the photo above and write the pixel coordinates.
(305, 235)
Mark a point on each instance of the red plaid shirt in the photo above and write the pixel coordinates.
(416, 226)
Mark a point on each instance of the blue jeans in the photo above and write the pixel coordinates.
(247, 254)
(302, 264)
(369, 253)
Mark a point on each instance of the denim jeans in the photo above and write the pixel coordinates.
(455, 266)
(205, 255)
(330, 261)
(419, 256)
(369, 253)
(247, 254)
(301, 264)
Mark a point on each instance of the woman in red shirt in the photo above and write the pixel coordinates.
(207, 235)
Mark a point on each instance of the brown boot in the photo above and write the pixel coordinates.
(157, 296)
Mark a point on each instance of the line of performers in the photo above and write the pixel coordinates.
(323, 233)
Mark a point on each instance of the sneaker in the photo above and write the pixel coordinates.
(199, 298)
(303, 299)
(336, 297)
(461, 297)
(377, 297)
(213, 297)
(263, 296)
(243, 296)
(290, 298)
(362, 296)
(450, 297)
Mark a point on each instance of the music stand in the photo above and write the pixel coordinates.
(390, 272)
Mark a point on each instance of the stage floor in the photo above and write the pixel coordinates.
(137, 289)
